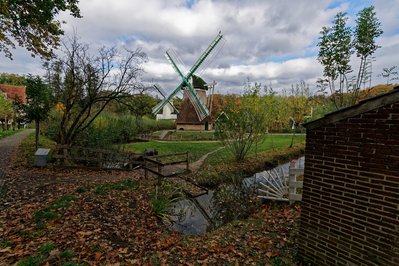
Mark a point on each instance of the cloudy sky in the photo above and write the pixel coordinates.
(267, 41)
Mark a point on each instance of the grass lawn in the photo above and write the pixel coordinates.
(196, 149)
(270, 142)
(193, 135)
(9, 132)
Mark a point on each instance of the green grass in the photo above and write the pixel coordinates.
(120, 185)
(49, 212)
(198, 148)
(269, 143)
(9, 132)
(195, 148)
(27, 149)
(192, 135)
(34, 260)
(220, 167)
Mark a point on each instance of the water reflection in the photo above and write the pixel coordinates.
(206, 212)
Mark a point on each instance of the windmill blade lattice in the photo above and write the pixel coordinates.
(199, 107)
(171, 54)
(274, 185)
(164, 95)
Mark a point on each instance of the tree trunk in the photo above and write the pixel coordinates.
(37, 133)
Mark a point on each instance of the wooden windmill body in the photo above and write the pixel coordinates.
(187, 119)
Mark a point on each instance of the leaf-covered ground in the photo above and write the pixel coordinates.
(79, 217)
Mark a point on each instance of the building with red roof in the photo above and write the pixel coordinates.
(14, 92)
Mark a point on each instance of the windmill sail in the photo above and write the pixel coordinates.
(199, 107)
(164, 95)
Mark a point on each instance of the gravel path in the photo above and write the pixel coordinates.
(7, 147)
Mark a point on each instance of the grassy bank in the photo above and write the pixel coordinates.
(220, 166)
(6, 133)
(192, 135)
(196, 149)
(26, 149)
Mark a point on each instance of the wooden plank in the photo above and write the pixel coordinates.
(169, 155)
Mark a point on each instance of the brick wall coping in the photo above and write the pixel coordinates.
(362, 107)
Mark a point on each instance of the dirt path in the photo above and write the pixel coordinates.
(7, 147)
(197, 164)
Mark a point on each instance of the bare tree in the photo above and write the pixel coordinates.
(84, 84)
(389, 73)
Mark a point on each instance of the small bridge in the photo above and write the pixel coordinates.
(175, 167)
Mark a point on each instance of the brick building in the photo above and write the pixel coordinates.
(350, 205)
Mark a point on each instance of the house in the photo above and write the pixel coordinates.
(350, 213)
(14, 92)
(168, 112)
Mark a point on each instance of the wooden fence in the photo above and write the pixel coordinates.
(78, 156)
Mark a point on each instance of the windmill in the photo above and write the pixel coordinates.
(188, 81)
(169, 110)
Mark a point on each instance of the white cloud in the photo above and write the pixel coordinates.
(267, 41)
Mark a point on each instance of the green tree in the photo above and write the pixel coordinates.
(245, 125)
(5, 110)
(367, 29)
(139, 105)
(12, 79)
(32, 24)
(334, 55)
(38, 96)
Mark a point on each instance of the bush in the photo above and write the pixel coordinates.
(108, 129)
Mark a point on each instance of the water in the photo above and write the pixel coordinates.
(201, 214)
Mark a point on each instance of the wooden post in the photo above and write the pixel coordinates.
(100, 162)
(187, 163)
(160, 168)
(145, 169)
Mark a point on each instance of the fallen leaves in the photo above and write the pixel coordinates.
(118, 226)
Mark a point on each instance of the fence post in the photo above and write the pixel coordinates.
(187, 163)
(100, 162)
(159, 167)
(145, 169)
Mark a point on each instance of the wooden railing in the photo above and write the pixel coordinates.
(167, 165)
(78, 156)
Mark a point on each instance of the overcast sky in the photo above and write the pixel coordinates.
(267, 41)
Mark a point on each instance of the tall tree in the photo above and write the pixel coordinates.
(85, 85)
(32, 24)
(334, 54)
(12, 79)
(367, 29)
(38, 97)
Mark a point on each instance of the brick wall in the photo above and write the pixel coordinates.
(350, 206)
